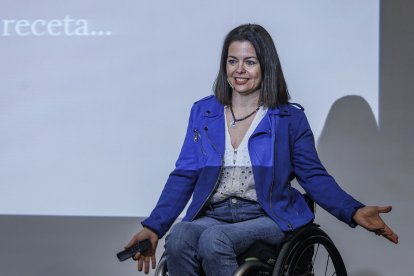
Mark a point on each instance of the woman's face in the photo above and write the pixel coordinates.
(243, 68)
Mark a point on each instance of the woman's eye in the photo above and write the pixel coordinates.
(232, 61)
(250, 62)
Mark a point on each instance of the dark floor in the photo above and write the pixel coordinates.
(64, 246)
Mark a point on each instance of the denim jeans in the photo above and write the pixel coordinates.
(213, 241)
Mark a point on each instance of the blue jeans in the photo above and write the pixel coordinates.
(213, 241)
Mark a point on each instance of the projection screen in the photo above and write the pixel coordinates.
(95, 95)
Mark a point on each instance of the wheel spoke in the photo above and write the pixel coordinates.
(314, 257)
(327, 262)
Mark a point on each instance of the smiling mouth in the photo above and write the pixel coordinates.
(241, 80)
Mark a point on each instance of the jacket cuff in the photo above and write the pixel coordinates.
(152, 225)
(351, 221)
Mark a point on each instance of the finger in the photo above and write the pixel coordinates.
(146, 261)
(136, 256)
(131, 243)
(390, 235)
(153, 261)
(377, 227)
(384, 209)
(394, 238)
(378, 232)
(140, 263)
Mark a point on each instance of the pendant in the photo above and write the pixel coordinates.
(233, 124)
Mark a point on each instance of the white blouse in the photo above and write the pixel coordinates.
(236, 178)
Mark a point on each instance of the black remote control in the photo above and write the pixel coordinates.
(141, 246)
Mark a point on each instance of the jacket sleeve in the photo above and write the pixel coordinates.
(178, 188)
(314, 178)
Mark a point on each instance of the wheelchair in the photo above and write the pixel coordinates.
(307, 251)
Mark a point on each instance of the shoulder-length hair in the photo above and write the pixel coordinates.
(273, 92)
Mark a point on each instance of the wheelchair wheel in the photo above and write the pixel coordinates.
(310, 252)
(161, 267)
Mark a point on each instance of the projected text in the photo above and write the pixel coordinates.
(66, 26)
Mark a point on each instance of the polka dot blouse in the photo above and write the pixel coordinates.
(236, 178)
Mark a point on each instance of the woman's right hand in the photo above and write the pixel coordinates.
(144, 258)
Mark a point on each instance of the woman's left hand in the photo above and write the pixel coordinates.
(369, 218)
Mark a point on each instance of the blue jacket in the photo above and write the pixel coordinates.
(281, 148)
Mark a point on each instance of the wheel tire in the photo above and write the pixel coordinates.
(295, 250)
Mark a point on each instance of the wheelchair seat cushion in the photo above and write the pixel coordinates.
(259, 250)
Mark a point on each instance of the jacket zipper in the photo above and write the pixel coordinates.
(289, 225)
(291, 198)
(217, 180)
(197, 137)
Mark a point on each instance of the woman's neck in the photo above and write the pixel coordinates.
(250, 101)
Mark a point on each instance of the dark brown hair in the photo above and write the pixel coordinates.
(274, 90)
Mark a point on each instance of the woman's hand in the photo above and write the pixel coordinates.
(369, 218)
(144, 258)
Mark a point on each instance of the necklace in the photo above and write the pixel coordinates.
(234, 122)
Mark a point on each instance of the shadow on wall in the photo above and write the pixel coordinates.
(351, 142)
(366, 163)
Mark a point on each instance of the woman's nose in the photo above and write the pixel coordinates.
(240, 68)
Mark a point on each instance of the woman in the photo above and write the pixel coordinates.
(242, 148)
